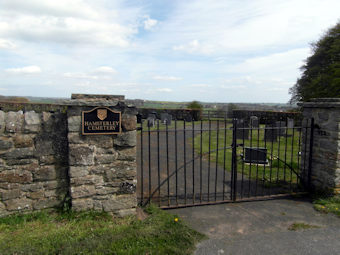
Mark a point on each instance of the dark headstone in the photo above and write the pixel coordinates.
(290, 123)
(188, 118)
(242, 131)
(254, 122)
(281, 125)
(255, 155)
(270, 134)
(139, 118)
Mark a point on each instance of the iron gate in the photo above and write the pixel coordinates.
(188, 163)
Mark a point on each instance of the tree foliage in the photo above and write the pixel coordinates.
(194, 105)
(321, 72)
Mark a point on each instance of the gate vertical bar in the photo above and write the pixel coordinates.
(224, 148)
(311, 142)
(234, 161)
(176, 166)
(158, 166)
(141, 164)
(216, 166)
(193, 162)
(209, 160)
(201, 141)
(149, 145)
(167, 160)
(185, 164)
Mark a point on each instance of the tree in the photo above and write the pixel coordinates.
(194, 105)
(321, 72)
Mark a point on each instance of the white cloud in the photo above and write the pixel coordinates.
(80, 75)
(105, 70)
(24, 70)
(194, 47)
(202, 85)
(63, 21)
(6, 44)
(149, 23)
(166, 78)
(164, 90)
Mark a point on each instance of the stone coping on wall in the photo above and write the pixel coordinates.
(321, 103)
(40, 107)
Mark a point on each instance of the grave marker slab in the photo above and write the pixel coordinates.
(255, 155)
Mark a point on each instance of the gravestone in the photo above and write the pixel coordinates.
(290, 123)
(151, 122)
(281, 125)
(254, 122)
(139, 118)
(270, 134)
(242, 131)
(255, 155)
(152, 116)
(188, 118)
(168, 119)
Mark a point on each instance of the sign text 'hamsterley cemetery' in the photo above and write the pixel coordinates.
(101, 121)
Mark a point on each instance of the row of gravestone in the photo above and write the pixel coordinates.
(165, 119)
(254, 122)
(271, 132)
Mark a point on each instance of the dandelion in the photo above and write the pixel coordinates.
(176, 219)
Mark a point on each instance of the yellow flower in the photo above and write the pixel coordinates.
(336, 209)
(176, 219)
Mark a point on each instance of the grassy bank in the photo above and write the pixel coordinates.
(96, 233)
(328, 205)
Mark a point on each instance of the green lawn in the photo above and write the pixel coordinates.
(96, 233)
(275, 172)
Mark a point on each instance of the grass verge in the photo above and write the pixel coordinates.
(96, 233)
(328, 205)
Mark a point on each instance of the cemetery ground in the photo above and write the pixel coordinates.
(282, 154)
(96, 233)
(161, 157)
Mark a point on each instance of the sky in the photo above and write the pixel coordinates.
(166, 50)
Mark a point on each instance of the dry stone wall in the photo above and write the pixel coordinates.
(33, 160)
(46, 162)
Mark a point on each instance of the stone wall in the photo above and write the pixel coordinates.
(325, 164)
(33, 160)
(46, 162)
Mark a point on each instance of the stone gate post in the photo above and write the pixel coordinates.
(325, 161)
(102, 168)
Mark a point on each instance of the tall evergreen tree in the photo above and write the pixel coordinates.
(321, 72)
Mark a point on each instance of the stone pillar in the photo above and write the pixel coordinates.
(103, 170)
(326, 150)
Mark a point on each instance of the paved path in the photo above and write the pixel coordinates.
(262, 228)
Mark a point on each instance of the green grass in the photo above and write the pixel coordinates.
(96, 233)
(301, 226)
(328, 205)
(275, 173)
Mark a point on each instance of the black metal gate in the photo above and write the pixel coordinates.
(188, 163)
